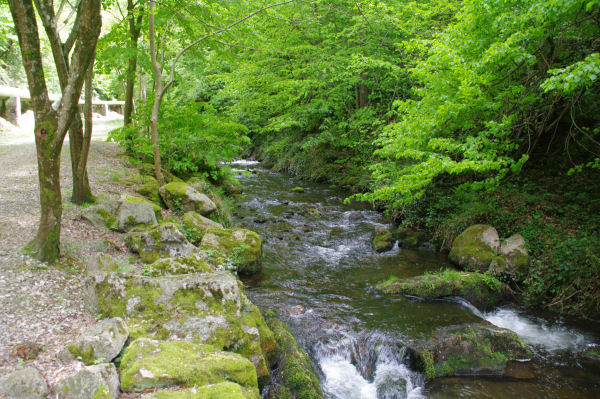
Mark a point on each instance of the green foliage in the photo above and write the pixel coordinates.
(193, 138)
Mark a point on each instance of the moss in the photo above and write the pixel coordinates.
(382, 240)
(174, 266)
(86, 355)
(223, 390)
(295, 370)
(242, 247)
(482, 290)
(102, 393)
(297, 190)
(471, 350)
(139, 200)
(181, 363)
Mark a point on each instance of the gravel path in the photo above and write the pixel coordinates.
(41, 305)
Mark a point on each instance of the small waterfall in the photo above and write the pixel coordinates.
(366, 366)
(533, 331)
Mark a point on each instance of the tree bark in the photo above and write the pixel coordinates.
(51, 126)
(134, 34)
(157, 97)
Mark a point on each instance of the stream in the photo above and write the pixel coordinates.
(320, 272)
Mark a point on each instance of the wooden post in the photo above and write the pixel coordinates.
(105, 109)
(17, 110)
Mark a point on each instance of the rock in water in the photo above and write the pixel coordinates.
(472, 349)
(242, 247)
(150, 364)
(475, 248)
(481, 290)
(93, 382)
(181, 197)
(161, 241)
(99, 344)
(382, 240)
(28, 383)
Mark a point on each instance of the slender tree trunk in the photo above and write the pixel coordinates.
(157, 97)
(81, 184)
(46, 244)
(81, 146)
(134, 34)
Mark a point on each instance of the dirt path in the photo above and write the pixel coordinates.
(40, 305)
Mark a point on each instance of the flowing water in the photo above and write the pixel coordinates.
(320, 272)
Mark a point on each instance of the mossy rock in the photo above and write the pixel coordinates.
(475, 248)
(192, 263)
(207, 308)
(94, 382)
(149, 189)
(409, 239)
(160, 241)
(482, 290)
(198, 183)
(513, 259)
(140, 200)
(296, 376)
(122, 215)
(297, 190)
(27, 383)
(470, 350)
(195, 225)
(100, 343)
(222, 390)
(181, 197)
(242, 247)
(232, 186)
(150, 364)
(382, 240)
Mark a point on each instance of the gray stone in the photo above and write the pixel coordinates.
(99, 344)
(514, 258)
(382, 240)
(208, 308)
(475, 248)
(182, 197)
(92, 382)
(28, 383)
(161, 241)
(100, 264)
(121, 215)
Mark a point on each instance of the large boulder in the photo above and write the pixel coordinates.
(207, 308)
(28, 383)
(296, 378)
(195, 225)
(222, 390)
(160, 241)
(149, 189)
(475, 248)
(99, 265)
(99, 344)
(382, 240)
(122, 215)
(470, 350)
(92, 382)
(241, 247)
(514, 258)
(181, 197)
(483, 291)
(150, 364)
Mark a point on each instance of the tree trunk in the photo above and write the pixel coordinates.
(157, 97)
(81, 185)
(51, 126)
(46, 244)
(134, 34)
